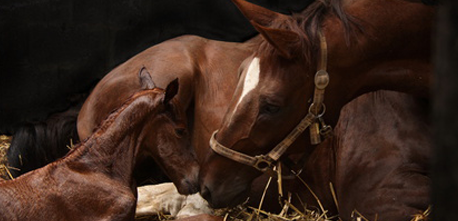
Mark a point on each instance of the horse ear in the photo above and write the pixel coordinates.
(285, 41)
(146, 81)
(257, 13)
(171, 91)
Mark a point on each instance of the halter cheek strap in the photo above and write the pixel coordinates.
(313, 119)
(321, 82)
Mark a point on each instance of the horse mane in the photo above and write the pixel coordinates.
(308, 23)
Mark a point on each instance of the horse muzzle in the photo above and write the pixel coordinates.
(223, 197)
(224, 183)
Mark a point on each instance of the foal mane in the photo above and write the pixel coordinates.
(112, 116)
(308, 23)
(105, 124)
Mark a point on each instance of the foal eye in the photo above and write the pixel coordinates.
(270, 109)
(180, 132)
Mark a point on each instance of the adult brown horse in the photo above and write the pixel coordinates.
(364, 45)
(94, 181)
(207, 70)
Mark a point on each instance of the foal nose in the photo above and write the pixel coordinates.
(190, 183)
(193, 186)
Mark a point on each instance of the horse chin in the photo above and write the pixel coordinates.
(227, 198)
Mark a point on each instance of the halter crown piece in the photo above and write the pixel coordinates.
(313, 119)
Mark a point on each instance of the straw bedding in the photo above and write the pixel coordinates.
(4, 144)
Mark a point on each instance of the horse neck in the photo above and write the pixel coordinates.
(214, 87)
(112, 149)
(391, 52)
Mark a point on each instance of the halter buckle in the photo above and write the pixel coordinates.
(321, 79)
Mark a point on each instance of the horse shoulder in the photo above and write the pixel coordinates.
(382, 161)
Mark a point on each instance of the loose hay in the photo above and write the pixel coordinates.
(4, 145)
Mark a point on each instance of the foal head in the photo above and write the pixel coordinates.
(165, 138)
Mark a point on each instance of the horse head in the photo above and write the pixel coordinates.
(298, 78)
(273, 95)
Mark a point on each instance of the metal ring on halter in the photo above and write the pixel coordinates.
(262, 163)
(322, 112)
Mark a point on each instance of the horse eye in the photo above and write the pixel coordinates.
(180, 132)
(270, 109)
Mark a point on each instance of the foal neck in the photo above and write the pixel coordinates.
(112, 149)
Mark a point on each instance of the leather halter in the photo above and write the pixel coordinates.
(313, 119)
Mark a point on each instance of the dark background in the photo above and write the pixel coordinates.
(445, 114)
(53, 50)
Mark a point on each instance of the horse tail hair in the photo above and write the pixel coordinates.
(36, 144)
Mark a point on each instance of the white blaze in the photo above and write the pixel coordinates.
(251, 80)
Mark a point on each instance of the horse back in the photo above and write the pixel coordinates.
(165, 62)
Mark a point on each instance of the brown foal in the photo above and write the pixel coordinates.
(94, 181)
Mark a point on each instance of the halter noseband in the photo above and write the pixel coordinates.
(313, 119)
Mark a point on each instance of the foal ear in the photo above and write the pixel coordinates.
(257, 13)
(146, 81)
(171, 91)
(285, 41)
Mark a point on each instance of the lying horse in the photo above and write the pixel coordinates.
(94, 181)
(365, 46)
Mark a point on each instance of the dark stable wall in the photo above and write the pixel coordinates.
(53, 50)
(445, 114)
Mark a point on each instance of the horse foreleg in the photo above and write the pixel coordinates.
(164, 198)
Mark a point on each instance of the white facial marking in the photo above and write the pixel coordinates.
(251, 79)
(250, 82)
